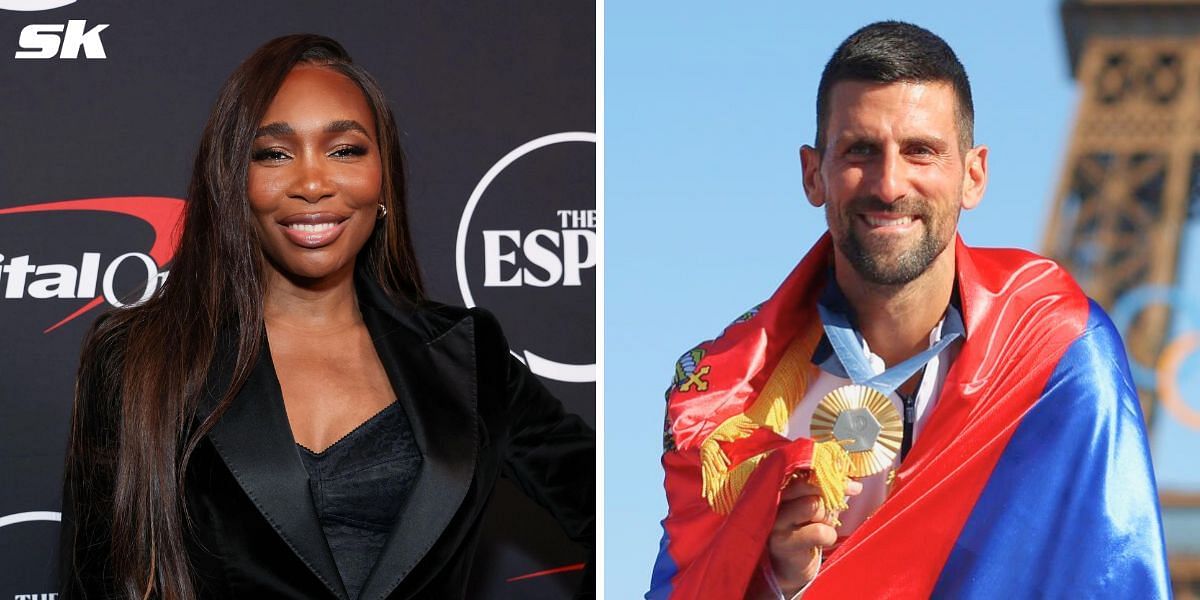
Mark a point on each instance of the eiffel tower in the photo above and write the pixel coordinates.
(1129, 186)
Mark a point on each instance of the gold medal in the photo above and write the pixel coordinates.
(865, 422)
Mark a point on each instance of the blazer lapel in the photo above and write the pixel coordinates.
(434, 381)
(254, 439)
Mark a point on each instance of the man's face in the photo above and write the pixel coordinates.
(892, 177)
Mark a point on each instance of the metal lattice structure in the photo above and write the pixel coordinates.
(1131, 177)
(1131, 171)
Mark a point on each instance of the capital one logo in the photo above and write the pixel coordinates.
(93, 277)
(527, 249)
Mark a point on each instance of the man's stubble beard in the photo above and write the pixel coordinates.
(872, 262)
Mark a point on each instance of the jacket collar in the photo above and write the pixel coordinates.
(430, 361)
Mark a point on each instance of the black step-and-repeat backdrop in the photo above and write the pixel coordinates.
(102, 103)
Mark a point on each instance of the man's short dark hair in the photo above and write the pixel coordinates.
(895, 52)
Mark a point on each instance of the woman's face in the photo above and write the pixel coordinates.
(315, 175)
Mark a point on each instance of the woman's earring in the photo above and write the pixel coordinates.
(382, 211)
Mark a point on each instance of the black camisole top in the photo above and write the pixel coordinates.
(358, 486)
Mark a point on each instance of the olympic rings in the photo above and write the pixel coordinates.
(1162, 379)
(1168, 371)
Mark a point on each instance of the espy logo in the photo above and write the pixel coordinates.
(21, 278)
(32, 517)
(538, 249)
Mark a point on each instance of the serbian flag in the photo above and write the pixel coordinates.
(1031, 478)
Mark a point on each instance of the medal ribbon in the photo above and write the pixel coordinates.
(847, 345)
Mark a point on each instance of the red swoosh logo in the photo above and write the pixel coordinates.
(164, 215)
(564, 569)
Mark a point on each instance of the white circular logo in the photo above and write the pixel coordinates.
(33, 5)
(557, 257)
(25, 517)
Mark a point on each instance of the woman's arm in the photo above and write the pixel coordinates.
(550, 454)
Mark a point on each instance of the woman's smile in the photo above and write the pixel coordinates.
(314, 230)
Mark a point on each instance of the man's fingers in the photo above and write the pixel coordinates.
(801, 540)
(798, 512)
(797, 488)
(791, 552)
(801, 524)
(800, 487)
(821, 534)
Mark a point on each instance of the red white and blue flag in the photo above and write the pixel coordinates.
(1032, 476)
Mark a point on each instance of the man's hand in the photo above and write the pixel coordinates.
(802, 525)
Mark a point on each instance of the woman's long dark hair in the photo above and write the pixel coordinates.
(155, 357)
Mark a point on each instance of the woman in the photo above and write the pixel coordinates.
(287, 416)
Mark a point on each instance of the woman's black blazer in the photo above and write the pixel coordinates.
(476, 412)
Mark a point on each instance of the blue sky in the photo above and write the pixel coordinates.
(706, 104)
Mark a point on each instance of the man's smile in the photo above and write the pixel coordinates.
(889, 222)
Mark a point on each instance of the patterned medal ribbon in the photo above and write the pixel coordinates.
(860, 416)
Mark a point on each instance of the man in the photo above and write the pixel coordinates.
(982, 403)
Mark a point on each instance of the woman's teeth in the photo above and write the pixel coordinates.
(312, 227)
